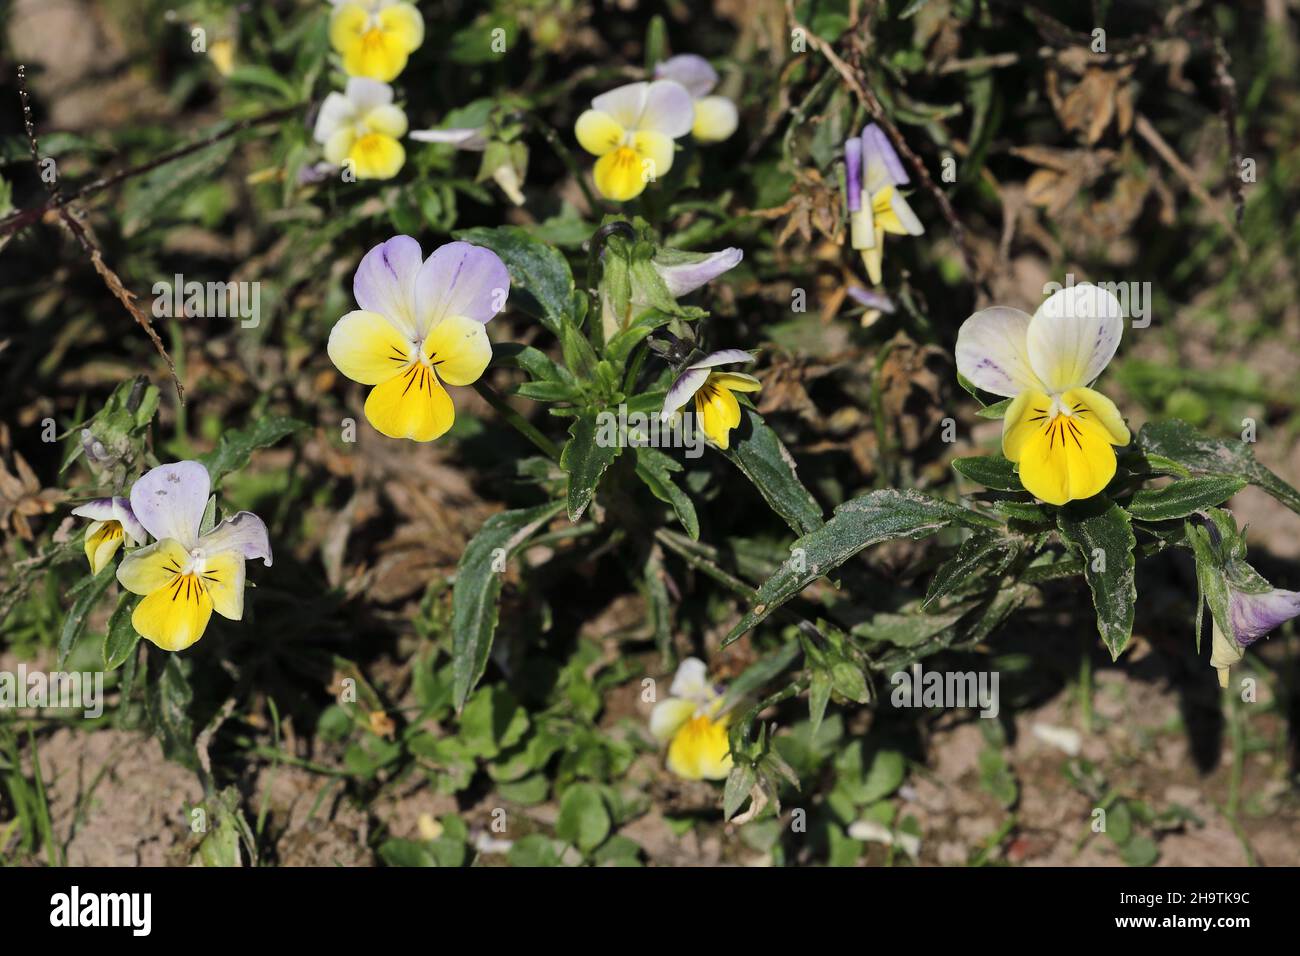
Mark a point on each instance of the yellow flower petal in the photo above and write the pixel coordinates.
(387, 119)
(103, 538)
(376, 49)
(347, 24)
(736, 381)
(669, 716)
(718, 411)
(339, 145)
(1090, 404)
(656, 152)
(376, 156)
(174, 616)
(874, 257)
(367, 348)
(149, 569)
(458, 348)
(1066, 458)
(700, 750)
(598, 133)
(619, 175)
(223, 577)
(715, 119)
(404, 25)
(412, 405)
(1024, 418)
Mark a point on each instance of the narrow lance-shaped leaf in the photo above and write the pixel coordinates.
(1183, 498)
(121, 640)
(1203, 455)
(857, 524)
(991, 471)
(86, 594)
(589, 451)
(980, 553)
(237, 446)
(758, 452)
(1103, 534)
(478, 583)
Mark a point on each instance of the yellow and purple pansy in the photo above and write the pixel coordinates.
(690, 722)
(422, 322)
(875, 205)
(184, 575)
(112, 524)
(1058, 429)
(631, 129)
(716, 408)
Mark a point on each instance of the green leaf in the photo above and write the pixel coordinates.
(857, 524)
(740, 781)
(1202, 455)
(909, 630)
(819, 695)
(589, 451)
(534, 850)
(87, 592)
(758, 452)
(474, 597)
(1103, 534)
(655, 469)
(991, 471)
(997, 410)
(983, 552)
(1183, 498)
(583, 819)
(121, 640)
(236, 447)
(541, 283)
(168, 706)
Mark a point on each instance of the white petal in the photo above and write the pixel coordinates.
(905, 215)
(368, 94)
(244, 534)
(691, 681)
(681, 391)
(471, 139)
(684, 272)
(993, 351)
(669, 715)
(669, 109)
(724, 357)
(336, 112)
(625, 104)
(170, 500)
(1073, 336)
(691, 71)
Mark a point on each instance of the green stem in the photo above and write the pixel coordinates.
(521, 424)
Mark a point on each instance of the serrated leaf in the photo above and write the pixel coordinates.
(541, 283)
(655, 469)
(991, 471)
(1103, 534)
(740, 781)
(474, 596)
(759, 454)
(1183, 498)
(857, 524)
(1202, 455)
(585, 458)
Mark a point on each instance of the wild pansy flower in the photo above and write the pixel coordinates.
(375, 37)
(689, 721)
(715, 116)
(361, 126)
(184, 576)
(716, 408)
(876, 206)
(632, 130)
(112, 524)
(1058, 429)
(875, 303)
(421, 323)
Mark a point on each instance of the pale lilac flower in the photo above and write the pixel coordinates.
(112, 524)
(716, 407)
(716, 117)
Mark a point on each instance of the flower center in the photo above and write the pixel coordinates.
(625, 156)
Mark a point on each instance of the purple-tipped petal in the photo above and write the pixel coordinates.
(97, 509)
(682, 389)
(462, 279)
(169, 501)
(244, 533)
(879, 156)
(385, 282)
(469, 138)
(723, 357)
(685, 272)
(871, 299)
(691, 71)
(853, 172)
(127, 519)
(1254, 615)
